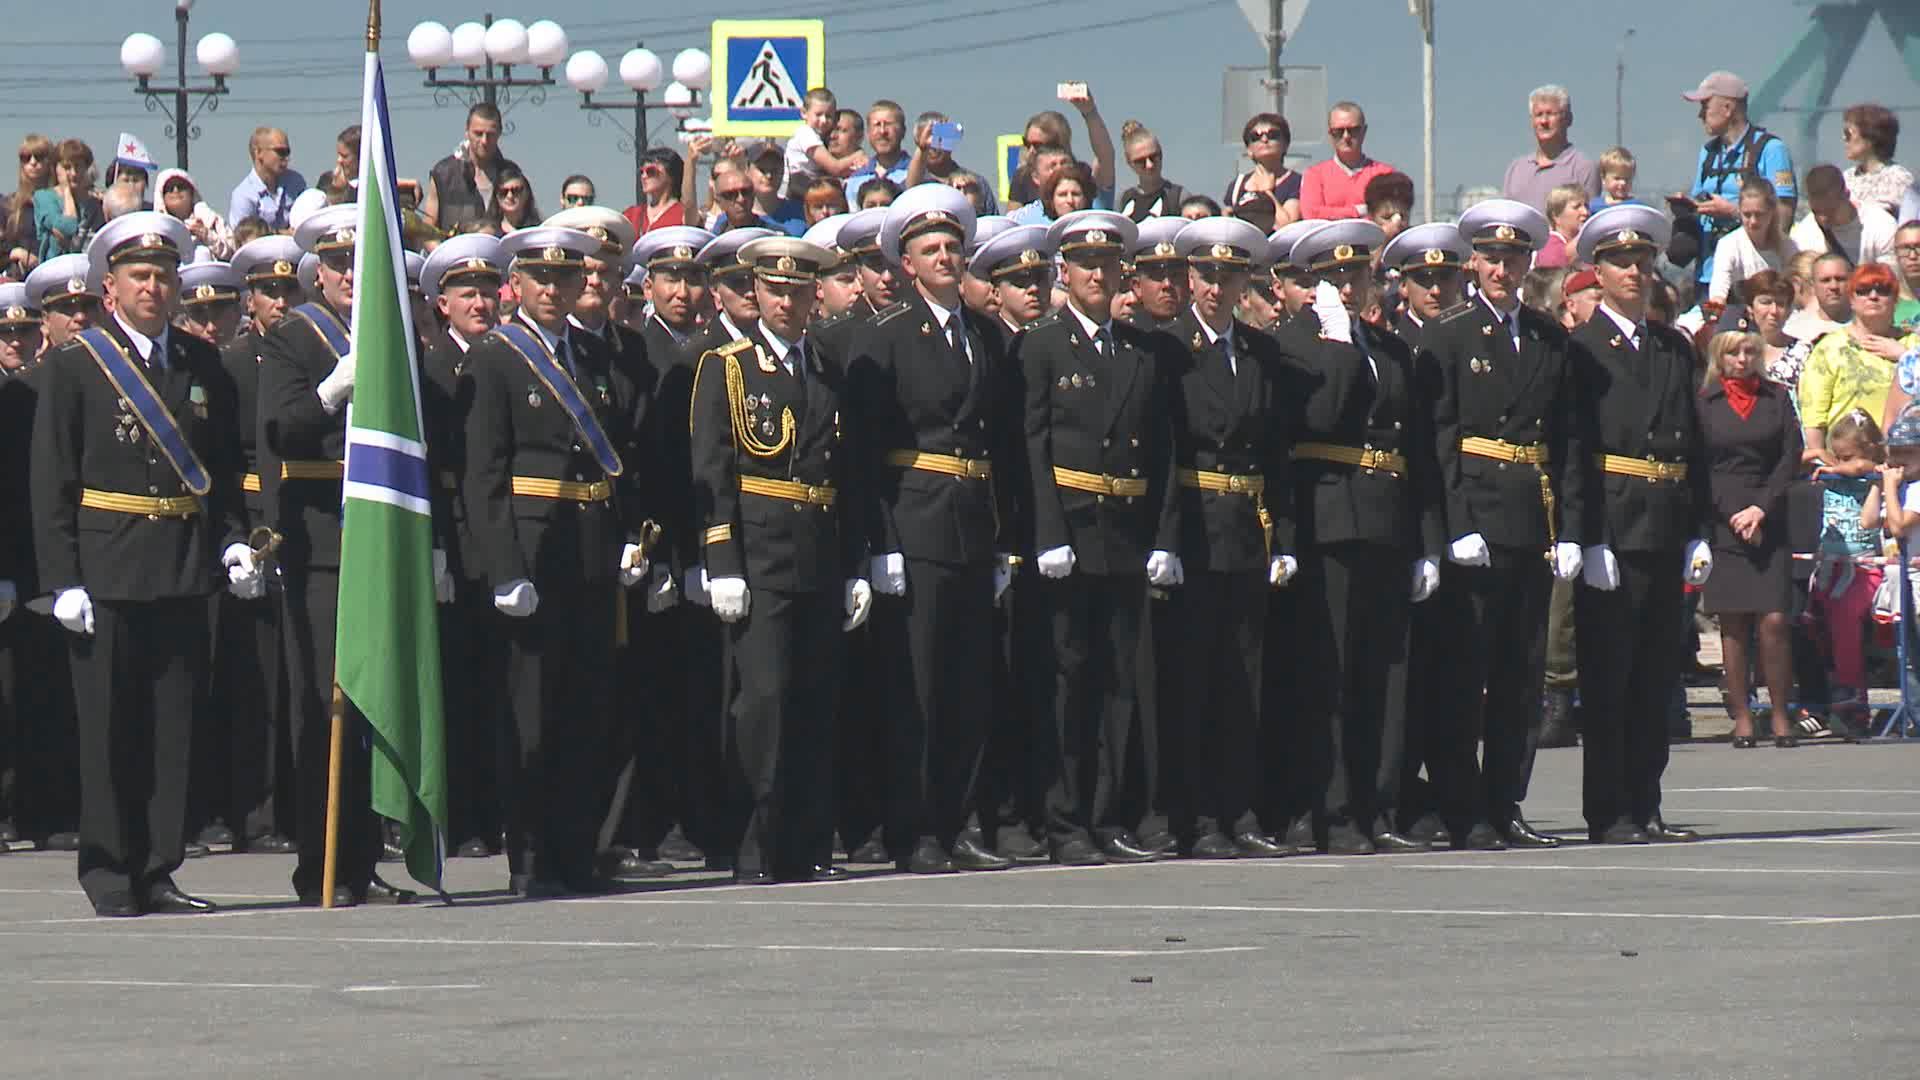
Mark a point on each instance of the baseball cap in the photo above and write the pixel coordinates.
(1719, 84)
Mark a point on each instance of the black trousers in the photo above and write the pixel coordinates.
(1011, 790)
(1216, 627)
(652, 724)
(557, 767)
(785, 665)
(1494, 666)
(240, 747)
(860, 730)
(138, 682)
(939, 717)
(1631, 648)
(474, 689)
(312, 612)
(1095, 643)
(1355, 606)
(1150, 782)
(1284, 791)
(38, 740)
(705, 816)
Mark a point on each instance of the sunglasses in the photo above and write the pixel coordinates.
(1911, 251)
(734, 194)
(1353, 132)
(1029, 279)
(38, 156)
(1265, 135)
(514, 192)
(652, 170)
(339, 262)
(1875, 289)
(280, 151)
(576, 199)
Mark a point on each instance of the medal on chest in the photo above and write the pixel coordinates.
(534, 399)
(197, 397)
(126, 426)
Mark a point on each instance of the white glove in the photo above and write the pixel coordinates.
(1335, 322)
(663, 593)
(9, 595)
(1426, 578)
(633, 566)
(1601, 570)
(73, 609)
(1163, 569)
(243, 574)
(337, 387)
(1056, 562)
(1566, 560)
(889, 573)
(1699, 563)
(442, 581)
(1002, 576)
(859, 603)
(730, 597)
(1280, 570)
(697, 587)
(1470, 550)
(516, 598)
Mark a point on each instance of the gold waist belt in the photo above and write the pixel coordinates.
(250, 482)
(180, 506)
(312, 470)
(1501, 450)
(1647, 469)
(1228, 483)
(540, 487)
(790, 490)
(945, 464)
(1097, 483)
(1384, 460)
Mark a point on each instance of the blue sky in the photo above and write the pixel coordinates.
(990, 63)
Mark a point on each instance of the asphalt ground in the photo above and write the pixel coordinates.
(1784, 945)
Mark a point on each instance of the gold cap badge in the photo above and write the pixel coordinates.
(205, 292)
(786, 264)
(1096, 236)
(681, 251)
(1165, 250)
(76, 285)
(1343, 251)
(283, 268)
(554, 254)
(16, 313)
(1435, 257)
(1629, 236)
(1222, 251)
(1505, 232)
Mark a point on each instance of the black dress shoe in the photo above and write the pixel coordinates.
(628, 865)
(1660, 832)
(973, 833)
(474, 848)
(870, 853)
(677, 848)
(1017, 843)
(169, 900)
(1621, 832)
(1519, 834)
(342, 897)
(969, 855)
(380, 892)
(1076, 852)
(1348, 840)
(193, 849)
(1214, 845)
(1744, 742)
(1430, 830)
(272, 844)
(216, 833)
(1252, 845)
(830, 872)
(1124, 847)
(742, 876)
(517, 883)
(928, 858)
(392, 852)
(61, 841)
(1388, 841)
(118, 904)
(1161, 842)
(1300, 836)
(1483, 837)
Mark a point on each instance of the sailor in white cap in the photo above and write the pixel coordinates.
(19, 328)
(137, 522)
(1649, 498)
(247, 702)
(975, 291)
(1159, 273)
(554, 483)
(306, 380)
(840, 282)
(1293, 285)
(210, 302)
(1512, 457)
(783, 529)
(1234, 488)
(730, 283)
(937, 400)
(1428, 260)
(1019, 264)
(67, 290)
(1368, 504)
(880, 276)
(1100, 448)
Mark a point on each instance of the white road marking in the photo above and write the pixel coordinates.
(1257, 909)
(1830, 920)
(1791, 791)
(1618, 868)
(428, 986)
(157, 984)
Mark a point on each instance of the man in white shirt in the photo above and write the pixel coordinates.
(1862, 233)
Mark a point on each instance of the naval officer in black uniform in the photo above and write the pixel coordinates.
(136, 502)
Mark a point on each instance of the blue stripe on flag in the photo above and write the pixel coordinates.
(379, 466)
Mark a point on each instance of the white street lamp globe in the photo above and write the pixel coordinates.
(586, 71)
(217, 54)
(640, 70)
(678, 99)
(430, 45)
(694, 68)
(470, 44)
(506, 42)
(546, 43)
(142, 54)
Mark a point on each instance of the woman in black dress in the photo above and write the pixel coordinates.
(1753, 451)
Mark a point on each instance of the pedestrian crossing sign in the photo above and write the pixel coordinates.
(765, 68)
(1009, 148)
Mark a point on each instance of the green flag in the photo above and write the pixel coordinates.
(388, 652)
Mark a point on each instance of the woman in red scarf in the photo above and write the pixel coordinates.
(1753, 454)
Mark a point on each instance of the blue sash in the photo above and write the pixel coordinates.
(327, 326)
(138, 393)
(533, 350)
